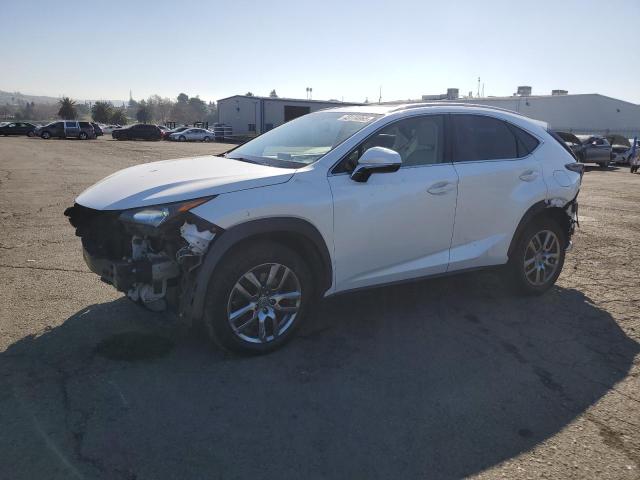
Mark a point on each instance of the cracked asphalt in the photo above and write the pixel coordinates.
(446, 378)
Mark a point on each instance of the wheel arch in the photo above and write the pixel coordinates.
(543, 209)
(296, 233)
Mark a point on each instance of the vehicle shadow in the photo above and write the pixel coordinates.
(439, 379)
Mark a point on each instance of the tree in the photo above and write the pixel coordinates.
(119, 117)
(102, 112)
(273, 94)
(248, 94)
(26, 112)
(144, 112)
(67, 109)
(197, 109)
(161, 107)
(183, 98)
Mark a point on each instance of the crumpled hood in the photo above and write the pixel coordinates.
(176, 180)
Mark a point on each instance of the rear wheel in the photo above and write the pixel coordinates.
(538, 257)
(258, 298)
(83, 136)
(30, 133)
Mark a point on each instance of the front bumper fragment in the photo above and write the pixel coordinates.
(124, 274)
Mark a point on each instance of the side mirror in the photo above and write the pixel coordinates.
(376, 160)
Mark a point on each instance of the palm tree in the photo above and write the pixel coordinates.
(67, 109)
(101, 112)
(119, 117)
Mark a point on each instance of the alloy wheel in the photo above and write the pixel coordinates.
(541, 257)
(264, 303)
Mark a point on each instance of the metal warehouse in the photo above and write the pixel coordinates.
(581, 113)
(250, 115)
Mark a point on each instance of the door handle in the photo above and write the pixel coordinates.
(528, 175)
(440, 188)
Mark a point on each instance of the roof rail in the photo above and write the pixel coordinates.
(452, 104)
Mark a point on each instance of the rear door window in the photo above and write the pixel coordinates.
(479, 137)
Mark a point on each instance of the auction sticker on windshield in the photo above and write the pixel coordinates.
(353, 117)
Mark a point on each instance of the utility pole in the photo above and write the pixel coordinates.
(380, 96)
(478, 87)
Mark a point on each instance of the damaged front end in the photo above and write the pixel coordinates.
(147, 253)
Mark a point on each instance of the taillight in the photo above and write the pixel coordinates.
(575, 167)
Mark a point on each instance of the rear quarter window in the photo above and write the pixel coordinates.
(526, 142)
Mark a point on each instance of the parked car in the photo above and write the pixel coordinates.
(571, 141)
(594, 149)
(192, 135)
(139, 131)
(109, 128)
(18, 128)
(168, 133)
(97, 129)
(342, 199)
(66, 129)
(620, 149)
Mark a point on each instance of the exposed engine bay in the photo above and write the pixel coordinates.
(151, 264)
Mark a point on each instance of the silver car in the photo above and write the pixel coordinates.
(193, 135)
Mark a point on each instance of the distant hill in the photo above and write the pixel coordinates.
(15, 98)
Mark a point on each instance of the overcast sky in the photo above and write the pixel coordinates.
(342, 49)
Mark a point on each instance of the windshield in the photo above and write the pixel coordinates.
(303, 140)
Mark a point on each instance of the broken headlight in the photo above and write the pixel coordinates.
(156, 215)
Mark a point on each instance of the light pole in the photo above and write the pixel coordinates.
(255, 117)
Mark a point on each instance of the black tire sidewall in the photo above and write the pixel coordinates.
(516, 261)
(236, 263)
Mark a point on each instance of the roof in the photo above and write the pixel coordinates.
(446, 106)
(285, 99)
(514, 97)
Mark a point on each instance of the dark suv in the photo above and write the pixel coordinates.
(140, 131)
(67, 129)
(17, 128)
(97, 129)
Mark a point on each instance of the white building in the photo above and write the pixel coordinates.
(581, 113)
(249, 115)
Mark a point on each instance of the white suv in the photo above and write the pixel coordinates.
(336, 200)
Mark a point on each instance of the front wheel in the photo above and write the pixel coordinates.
(258, 298)
(30, 133)
(182, 138)
(46, 135)
(538, 257)
(604, 165)
(206, 139)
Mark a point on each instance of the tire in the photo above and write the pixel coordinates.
(30, 134)
(182, 138)
(604, 165)
(541, 278)
(83, 136)
(45, 135)
(224, 298)
(206, 139)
